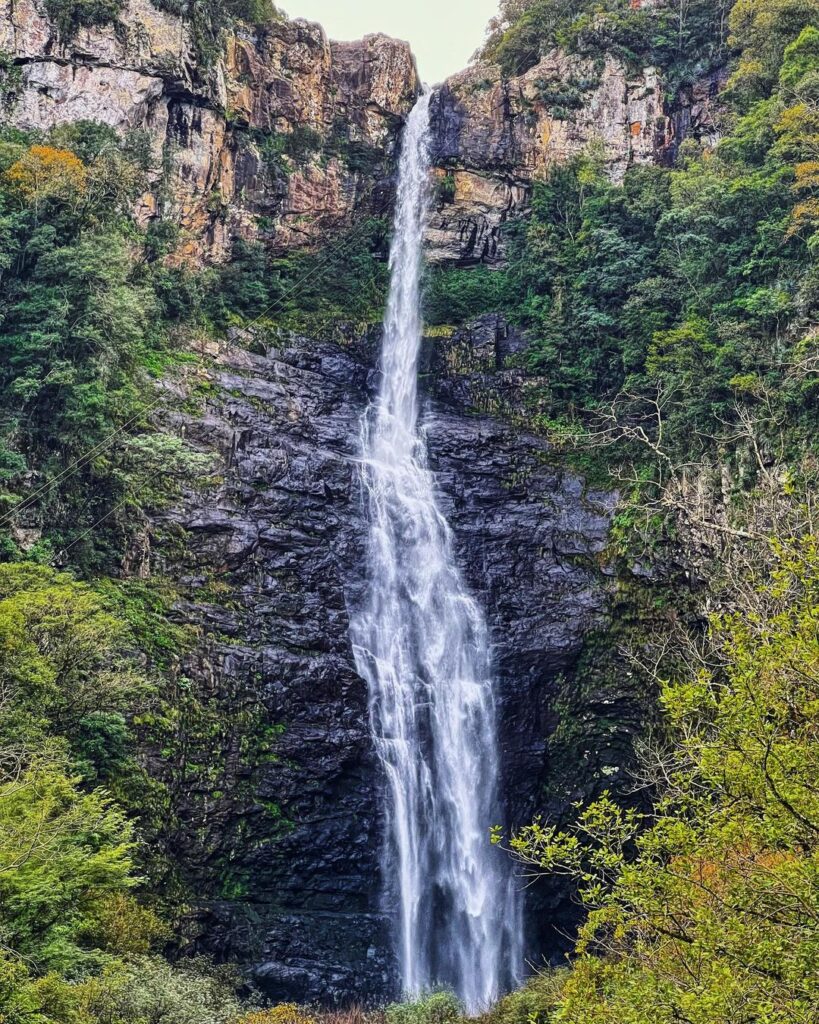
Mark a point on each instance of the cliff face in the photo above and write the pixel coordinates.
(283, 138)
(279, 836)
(287, 137)
(494, 137)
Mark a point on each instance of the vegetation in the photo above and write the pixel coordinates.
(91, 311)
(673, 332)
(673, 339)
(445, 190)
(90, 314)
(308, 291)
(71, 15)
(77, 929)
(684, 37)
(676, 310)
(210, 20)
(10, 78)
(85, 319)
(435, 1008)
(706, 909)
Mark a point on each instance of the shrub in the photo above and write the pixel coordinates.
(148, 989)
(64, 854)
(302, 143)
(86, 139)
(44, 615)
(531, 1004)
(71, 15)
(121, 925)
(360, 157)
(705, 908)
(445, 189)
(683, 39)
(436, 1008)
(209, 20)
(284, 1013)
(454, 295)
(10, 78)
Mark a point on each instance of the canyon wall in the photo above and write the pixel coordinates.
(279, 819)
(495, 136)
(287, 138)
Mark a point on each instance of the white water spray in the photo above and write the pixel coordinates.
(421, 643)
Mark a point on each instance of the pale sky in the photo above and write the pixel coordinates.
(443, 33)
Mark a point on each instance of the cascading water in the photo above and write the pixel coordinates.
(421, 643)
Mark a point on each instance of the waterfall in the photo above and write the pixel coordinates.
(421, 643)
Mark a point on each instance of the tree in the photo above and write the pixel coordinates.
(63, 855)
(66, 670)
(44, 173)
(707, 909)
(762, 29)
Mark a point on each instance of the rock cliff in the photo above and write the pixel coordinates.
(279, 838)
(284, 137)
(495, 136)
(288, 138)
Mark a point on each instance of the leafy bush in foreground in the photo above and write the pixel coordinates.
(436, 1008)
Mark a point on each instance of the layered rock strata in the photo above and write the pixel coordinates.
(496, 136)
(284, 138)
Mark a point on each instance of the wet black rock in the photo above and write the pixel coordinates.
(278, 816)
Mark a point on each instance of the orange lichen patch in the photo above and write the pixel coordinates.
(636, 127)
(44, 172)
(465, 186)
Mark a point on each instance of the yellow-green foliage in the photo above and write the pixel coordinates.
(531, 1004)
(68, 913)
(435, 1008)
(284, 1013)
(63, 855)
(707, 910)
(762, 29)
(65, 668)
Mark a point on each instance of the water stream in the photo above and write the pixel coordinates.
(421, 643)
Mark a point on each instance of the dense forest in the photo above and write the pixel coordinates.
(672, 352)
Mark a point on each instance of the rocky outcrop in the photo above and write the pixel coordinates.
(279, 839)
(281, 851)
(495, 136)
(284, 137)
(695, 113)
